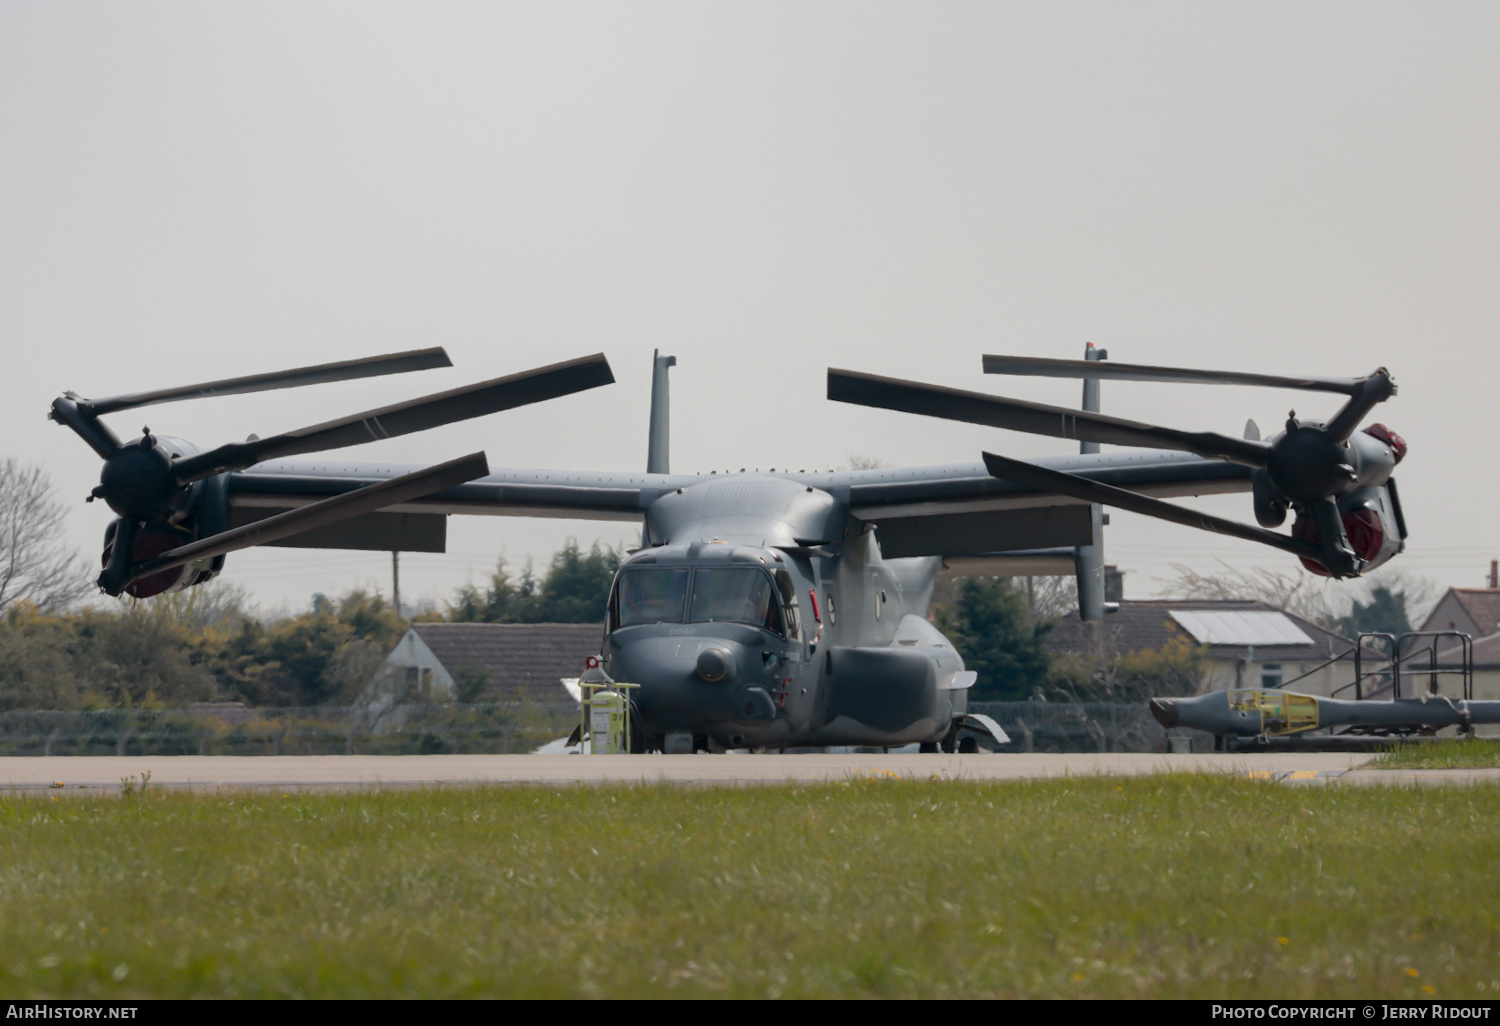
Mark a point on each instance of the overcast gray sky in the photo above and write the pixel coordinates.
(191, 191)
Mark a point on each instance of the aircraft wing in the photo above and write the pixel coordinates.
(959, 509)
(421, 526)
(947, 510)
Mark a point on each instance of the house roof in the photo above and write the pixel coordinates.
(1482, 606)
(1240, 627)
(520, 659)
(1486, 653)
(1142, 626)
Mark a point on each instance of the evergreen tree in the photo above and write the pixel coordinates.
(576, 587)
(1386, 612)
(320, 657)
(574, 590)
(987, 623)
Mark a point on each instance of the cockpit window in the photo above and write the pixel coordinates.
(788, 592)
(648, 596)
(740, 594)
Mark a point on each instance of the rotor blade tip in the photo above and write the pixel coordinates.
(600, 362)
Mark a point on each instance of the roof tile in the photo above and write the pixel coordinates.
(1482, 605)
(1142, 626)
(522, 660)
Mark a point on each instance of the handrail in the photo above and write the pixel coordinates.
(1401, 650)
(1315, 669)
(1465, 668)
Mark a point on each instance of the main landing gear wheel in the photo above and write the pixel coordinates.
(928, 747)
(968, 745)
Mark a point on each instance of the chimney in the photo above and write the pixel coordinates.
(1114, 584)
(1495, 573)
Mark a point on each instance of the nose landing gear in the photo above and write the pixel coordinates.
(956, 741)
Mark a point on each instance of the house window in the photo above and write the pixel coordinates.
(1270, 675)
(418, 683)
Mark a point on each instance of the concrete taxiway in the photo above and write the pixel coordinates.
(326, 772)
(346, 771)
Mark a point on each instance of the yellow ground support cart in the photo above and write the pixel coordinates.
(1281, 712)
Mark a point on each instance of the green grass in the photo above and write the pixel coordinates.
(1467, 753)
(1179, 886)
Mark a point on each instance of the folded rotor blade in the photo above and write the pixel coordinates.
(94, 432)
(1042, 479)
(431, 411)
(1373, 391)
(344, 370)
(320, 514)
(1032, 366)
(1033, 418)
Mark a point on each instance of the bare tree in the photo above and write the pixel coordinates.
(36, 565)
(217, 605)
(1316, 599)
(1047, 598)
(1292, 591)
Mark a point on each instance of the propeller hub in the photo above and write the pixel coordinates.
(1307, 463)
(137, 481)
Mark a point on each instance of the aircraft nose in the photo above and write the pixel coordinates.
(684, 682)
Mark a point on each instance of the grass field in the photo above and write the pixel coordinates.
(1468, 753)
(1168, 886)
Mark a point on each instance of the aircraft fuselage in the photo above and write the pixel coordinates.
(762, 615)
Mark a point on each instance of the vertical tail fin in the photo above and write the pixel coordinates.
(1088, 560)
(658, 444)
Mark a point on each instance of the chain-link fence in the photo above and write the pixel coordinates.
(1083, 727)
(499, 727)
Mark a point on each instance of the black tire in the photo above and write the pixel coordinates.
(927, 747)
(968, 745)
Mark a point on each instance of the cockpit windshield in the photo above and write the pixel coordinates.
(739, 594)
(733, 594)
(649, 596)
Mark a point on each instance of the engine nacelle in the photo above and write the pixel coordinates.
(1373, 521)
(1370, 507)
(207, 514)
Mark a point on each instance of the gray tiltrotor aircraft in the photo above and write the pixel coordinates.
(773, 609)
